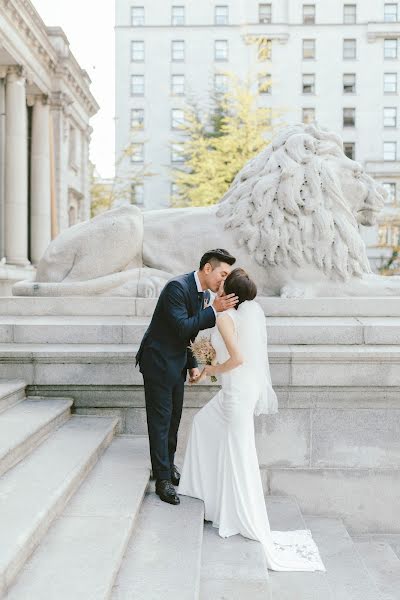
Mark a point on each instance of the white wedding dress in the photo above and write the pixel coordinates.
(221, 464)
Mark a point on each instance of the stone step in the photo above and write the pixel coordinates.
(392, 539)
(25, 425)
(11, 392)
(232, 567)
(129, 330)
(81, 554)
(345, 571)
(163, 556)
(383, 566)
(284, 514)
(274, 307)
(36, 490)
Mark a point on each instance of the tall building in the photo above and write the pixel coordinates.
(45, 107)
(331, 61)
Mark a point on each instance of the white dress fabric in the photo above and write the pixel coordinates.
(221, 464)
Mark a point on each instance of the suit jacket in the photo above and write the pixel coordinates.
(176, 321)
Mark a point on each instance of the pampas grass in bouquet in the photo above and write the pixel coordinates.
(204, 353)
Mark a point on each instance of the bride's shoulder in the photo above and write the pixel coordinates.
(227, 316)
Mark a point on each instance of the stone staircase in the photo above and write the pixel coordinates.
(79, 520)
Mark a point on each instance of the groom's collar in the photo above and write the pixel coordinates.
(197, 280)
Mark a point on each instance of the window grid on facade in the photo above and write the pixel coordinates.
(349, 83)
(390, 83)
(349, 148)
(389, 150)
(390, 12)
(349, 49)
(177, 50)
(137, 155)
(309, 14)
(177, 153)
(221, 50)
(264, 83)
(177, 118)
(308, 83)
(221, 15)
(308, 49)
(390, 187)
(349, 117)
(350, 14)
(390, 48)
(137, 118)
(264, 49)
(137, 51)
(174, 191)
(265, 13)
(177, 85)
(220, 83)
(308, 115)
(137, 194)
(137, 85)
(137, 16)
(178, 15)
(390, 116)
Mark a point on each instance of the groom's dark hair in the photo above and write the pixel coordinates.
(215, 257)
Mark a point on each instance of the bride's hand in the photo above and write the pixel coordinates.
(210, 370)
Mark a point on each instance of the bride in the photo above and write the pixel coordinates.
(221, 464)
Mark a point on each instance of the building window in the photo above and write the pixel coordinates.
(177, 118)
(308, 115)
(264, 49)
(349, 49)
(349, 148)
(221, 16)
(137, 194)
(177, 50)
(137, 16)
(349, 117)
(390, 48)
(349, 14)
(220, 83)
(308, 83)
(137, 51)
(308, 49)
(264, 83)
(137, 85)
(389, 150)
(390, 83)
(72, 147)
(265, 13)
(390, 187)
(137, 155)
(137, 118)
(177, 85)
(177, 153)
(178, 15)
(349, 83)
(390, 13)
(390, 117)
(221, 50)
(174, 192)
(309, 14)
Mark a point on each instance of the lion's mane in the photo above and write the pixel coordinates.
(287, 206)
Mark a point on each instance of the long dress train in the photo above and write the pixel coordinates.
(221, 464)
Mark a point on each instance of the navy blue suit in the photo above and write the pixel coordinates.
(164, 358)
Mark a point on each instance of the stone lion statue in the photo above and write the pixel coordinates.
(291, 217)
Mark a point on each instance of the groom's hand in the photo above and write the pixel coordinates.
(222, 303)
(194, 374)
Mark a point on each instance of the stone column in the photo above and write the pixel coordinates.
(16, 170)
(2, 158)
(40, 208)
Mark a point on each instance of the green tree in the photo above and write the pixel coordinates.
(217, 143)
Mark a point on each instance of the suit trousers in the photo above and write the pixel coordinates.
(164, 401)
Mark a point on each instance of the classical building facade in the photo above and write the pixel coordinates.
(45, 107)
(335, 62)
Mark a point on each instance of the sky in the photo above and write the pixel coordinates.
(89, 27)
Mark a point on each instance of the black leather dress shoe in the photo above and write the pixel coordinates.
(166, 491)
(175, 475)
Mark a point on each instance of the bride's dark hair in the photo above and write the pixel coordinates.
(240, 284)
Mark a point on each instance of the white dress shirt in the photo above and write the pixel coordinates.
(200, 289)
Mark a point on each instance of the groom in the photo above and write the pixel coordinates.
(164, 357)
